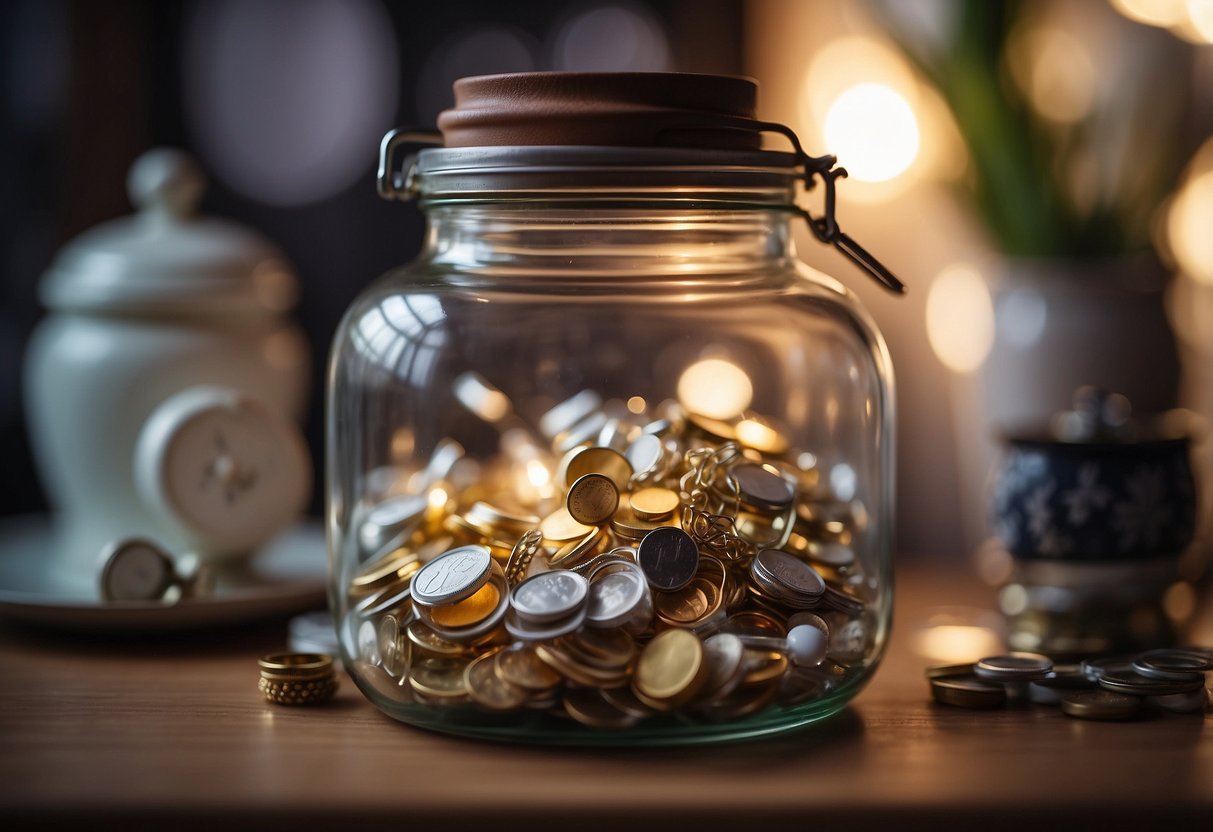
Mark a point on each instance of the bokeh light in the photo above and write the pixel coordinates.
(1055, 72)
(715, 388)
(960, 318)
(873, 128)
(1189, 227)
(614, 37)
(283, 98)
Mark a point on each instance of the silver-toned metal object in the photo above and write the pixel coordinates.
(619, 595)
(452, 576)
(669, 558)
(389, 519)
(790, 579)
(549, 596)
(1014, 667)
(136, 569)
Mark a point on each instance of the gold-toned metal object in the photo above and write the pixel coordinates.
(559, 527)
(654, 504)
(439, 678)
(524, 551)
(469, 611)
(297, 678)
(592, 499)
(670, 669)
(488, 689)
(595, 460)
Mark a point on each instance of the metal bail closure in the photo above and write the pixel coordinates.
(825, 228)
(396, 182)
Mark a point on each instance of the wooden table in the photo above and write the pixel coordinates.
(174, 732)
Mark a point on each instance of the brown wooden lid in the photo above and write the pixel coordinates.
(617, 109)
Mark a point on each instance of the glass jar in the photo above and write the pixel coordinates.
(606, 463)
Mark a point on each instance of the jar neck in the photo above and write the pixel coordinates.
(511, 238)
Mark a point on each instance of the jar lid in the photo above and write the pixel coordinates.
(604, 109)
(165, 256)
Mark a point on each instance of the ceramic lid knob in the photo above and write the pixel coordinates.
(166, 180)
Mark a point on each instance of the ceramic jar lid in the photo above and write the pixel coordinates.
(165, 257)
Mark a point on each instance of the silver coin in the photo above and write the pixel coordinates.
(615, 595)
(524, 631)
(1176, 664)
(136, 570)
(1094, 669)
(549, 596)
(389, 519)
(1135, 684)
(1014, 667)
(760, 488)
(725, 657)
(794, 579)
(645, 454)
(473, 632)
(669, 558)
(568, 413)
(452, 576)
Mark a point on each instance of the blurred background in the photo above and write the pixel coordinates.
(1039, 173)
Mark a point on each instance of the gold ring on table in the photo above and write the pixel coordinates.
(297, 678)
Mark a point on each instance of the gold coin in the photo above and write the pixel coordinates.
(574, 670)
(671, 668)
(579, 550)
(763, 666)
(681, 607)
(756, 623)
(596, 460)
(498, 523)
(589, 707)
(428, 643)
(519, 666)
(654, 504)
(489, 690)
(396, 566)
(606, 649)
(560, 527)
(438, 678)
(467, 612)
(627, 525)
(592, 499)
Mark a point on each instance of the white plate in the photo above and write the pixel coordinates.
(286, 576)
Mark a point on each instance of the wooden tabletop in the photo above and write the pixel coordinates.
(130, 733)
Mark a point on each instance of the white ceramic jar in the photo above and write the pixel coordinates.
(162, 388)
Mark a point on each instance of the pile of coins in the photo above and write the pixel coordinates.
(674, 564)
(1170, 679)
(297, 678)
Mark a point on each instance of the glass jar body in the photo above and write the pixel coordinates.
(466, 388)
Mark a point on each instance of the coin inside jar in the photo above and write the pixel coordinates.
(760, 487)
(550, 596)
(654, 504)
(669, 558)
(592, 499)
(595, 460)
(452, 576)
(671, 669)
(469, 611)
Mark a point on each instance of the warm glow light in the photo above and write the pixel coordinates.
(715, 388)
(1200, 16)
(636, 405)
(482, 398)
(1189, 226)
(1056, 73)
(538, 473)
(438, 499)
(1153, 12)
(1179, 601)
(873, 130)
(960, 318)
(954, 643)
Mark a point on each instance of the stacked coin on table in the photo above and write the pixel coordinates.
(613, 567)
(1106, 688)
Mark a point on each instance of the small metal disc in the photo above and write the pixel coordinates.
(615, 596)
(725, 655)
(592, 499)
(948, 671)
(669, 558)
(1135, 684)
(589, 707)
(645, 454)
(1014, 667)
(1177, 664)
(488, 689)
(1100, 704)
(761, 488)
(135, 570)
(654, 504)
(549, 596)
(671, 668)
(595, 460)
(452, 576)
(968, 692)
(519, 666)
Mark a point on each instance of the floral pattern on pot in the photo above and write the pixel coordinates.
(1094, 501)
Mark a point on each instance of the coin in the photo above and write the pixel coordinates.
(654, 504)
(528, 631)
(395, 566)
(136, 570)
(575, 551)
(452, 576)
(395, 650)
(1014, 667)
(495, 522)
(427, 643)
(1136, 684)
(595, 460)
(669, 558)
(794, 581)
(615, 596)
(488, 689)
(645, 455)
(724, 654)
(761, 488)
(671, 668)
(681, 607)
(471, 610)
(968, 692)
(569, 412)
(388, 518)
(560, 527)
(438, 678)
(549, 596)
(592, 499)
(1100, 704)
(518, 665)
(1176, 664)
(589, 707)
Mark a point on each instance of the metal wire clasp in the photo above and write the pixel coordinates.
(396, 182)
(825, 228)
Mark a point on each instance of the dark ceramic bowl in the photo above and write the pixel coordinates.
(1094, 500)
